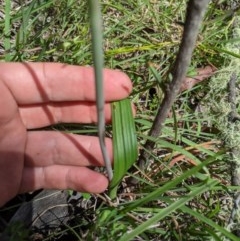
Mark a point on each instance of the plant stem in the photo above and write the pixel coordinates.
(97, 40)
(194, 16)
(7, 26)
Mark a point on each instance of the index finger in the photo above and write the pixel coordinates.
(54, 82)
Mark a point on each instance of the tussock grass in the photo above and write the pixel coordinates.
(173, 200)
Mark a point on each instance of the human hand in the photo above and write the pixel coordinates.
(34, 95)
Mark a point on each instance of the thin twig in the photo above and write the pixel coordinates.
(233, 222)
(235, 154)
(233, 116)
(194, 16)
(232, 98)
(97, 47)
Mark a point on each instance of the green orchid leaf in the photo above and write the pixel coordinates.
(124, 142)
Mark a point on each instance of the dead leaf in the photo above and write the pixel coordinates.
(202, 74)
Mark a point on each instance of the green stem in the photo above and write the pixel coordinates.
(7, 25)
(97, 40)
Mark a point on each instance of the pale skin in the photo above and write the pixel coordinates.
(35, 95)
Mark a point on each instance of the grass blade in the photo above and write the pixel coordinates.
(155, 194)
(166, 211)
(209, 222)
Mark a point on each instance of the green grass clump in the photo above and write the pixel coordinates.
(185, 192)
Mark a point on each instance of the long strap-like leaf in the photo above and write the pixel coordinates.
(124, 142)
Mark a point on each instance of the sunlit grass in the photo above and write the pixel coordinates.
(139, 35)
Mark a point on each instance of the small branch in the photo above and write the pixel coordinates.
(234, 213)
(235, 155)
(233, 222)
(233, 117)
(232, 98)
(194, 16)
